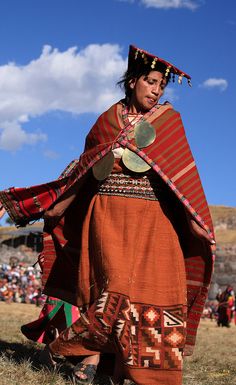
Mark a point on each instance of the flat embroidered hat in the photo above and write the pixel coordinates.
(141, 58)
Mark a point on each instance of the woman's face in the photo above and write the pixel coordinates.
(146, 91)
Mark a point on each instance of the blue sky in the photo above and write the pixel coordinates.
(60, 61)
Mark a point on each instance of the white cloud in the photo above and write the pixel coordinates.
(50, 154)
(168, 4)
(210, 83)
(12, 136)
(71, 81)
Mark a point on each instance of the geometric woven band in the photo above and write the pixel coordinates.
(124, 185)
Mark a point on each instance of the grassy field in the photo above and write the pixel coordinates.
(213, 363)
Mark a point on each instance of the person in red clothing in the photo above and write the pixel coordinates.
(128, 235)
(226, 301)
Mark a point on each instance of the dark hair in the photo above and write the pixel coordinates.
(135, 73)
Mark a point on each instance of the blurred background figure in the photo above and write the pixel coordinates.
(226, 301)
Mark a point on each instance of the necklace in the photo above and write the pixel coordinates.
(125, 113)
(143, 133)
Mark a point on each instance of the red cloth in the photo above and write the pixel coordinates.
(169, 155)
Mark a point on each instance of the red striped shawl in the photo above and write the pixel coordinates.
(170, 156)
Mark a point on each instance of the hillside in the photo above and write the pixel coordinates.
(224, 219)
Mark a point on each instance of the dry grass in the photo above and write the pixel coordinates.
(213, 363)
(214, 358)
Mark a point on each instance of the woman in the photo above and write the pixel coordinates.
(128, 235)
(226, 301)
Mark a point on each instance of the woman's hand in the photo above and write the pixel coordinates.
(52, 216)
(2, 210)
(56, 212)
(199, 232)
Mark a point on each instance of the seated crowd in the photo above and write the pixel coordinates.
(20, 283)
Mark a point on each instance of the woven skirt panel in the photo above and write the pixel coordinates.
(132, 287)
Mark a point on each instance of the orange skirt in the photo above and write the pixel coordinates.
(132, 290)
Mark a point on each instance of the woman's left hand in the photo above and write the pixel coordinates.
(199, 232)
(2, 210)
(52, 217)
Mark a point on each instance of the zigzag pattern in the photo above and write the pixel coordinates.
(173, 317)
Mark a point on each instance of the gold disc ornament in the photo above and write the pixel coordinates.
(133, 162)
(144, 134)
(104, 166)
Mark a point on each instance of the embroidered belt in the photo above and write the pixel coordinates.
(127, 186)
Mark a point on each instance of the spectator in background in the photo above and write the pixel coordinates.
(20, 284)
(226, 301)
